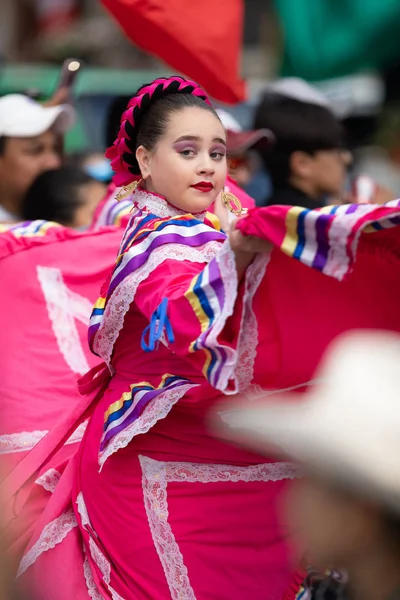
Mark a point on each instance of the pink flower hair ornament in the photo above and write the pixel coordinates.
(122, 152)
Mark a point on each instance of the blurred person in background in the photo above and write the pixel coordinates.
(346, 508)
(29, 145)
(67, 196)
(308, 161)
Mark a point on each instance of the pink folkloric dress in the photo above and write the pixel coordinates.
(152, 506)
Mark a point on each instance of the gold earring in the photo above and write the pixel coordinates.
(232, 203)
(128, 190)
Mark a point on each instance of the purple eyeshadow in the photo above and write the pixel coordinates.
(183, 146)
(219, 148)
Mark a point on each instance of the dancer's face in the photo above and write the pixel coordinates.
(188, 165)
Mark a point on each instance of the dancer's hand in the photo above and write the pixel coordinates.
(245, 249)
(250, 243)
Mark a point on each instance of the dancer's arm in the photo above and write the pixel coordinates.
(201, 298)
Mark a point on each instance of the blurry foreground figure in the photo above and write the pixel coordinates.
(346, 435)
(67, 196)
(29, 145)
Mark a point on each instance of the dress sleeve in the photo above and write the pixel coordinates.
(191, 303)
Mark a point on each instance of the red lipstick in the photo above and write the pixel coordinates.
(203, 186)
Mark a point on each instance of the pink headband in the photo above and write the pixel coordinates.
(119, 152)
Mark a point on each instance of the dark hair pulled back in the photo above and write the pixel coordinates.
(146, 118)
(55, 195)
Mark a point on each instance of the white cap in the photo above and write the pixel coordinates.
(300, 90)
(20, 116)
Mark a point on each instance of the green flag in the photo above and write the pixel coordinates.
(331, 38)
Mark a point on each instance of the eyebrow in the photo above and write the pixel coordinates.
(31, 140)
(195, 138)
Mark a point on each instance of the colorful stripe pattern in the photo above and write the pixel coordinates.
(307, 236)
(314, 236)
(130, 406)
(145, 233)
(113, 212)
(37, 228)
(206, 296)
(117, 212)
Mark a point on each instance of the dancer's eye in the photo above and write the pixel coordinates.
(187, 152)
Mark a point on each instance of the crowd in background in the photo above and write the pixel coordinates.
(296, 152)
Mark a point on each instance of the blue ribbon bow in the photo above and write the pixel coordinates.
(158, 322)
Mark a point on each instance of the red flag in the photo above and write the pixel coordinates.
(202, 40)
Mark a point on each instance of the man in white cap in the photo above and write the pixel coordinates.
(346, 434)
(29, 145)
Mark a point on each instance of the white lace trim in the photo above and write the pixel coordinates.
(97, 555)
(156, 471)
(337, 264)
(248, 334)
(123, 296)
(156, 205)
(227, 266)
(155, 477)
(95, 552)
(26, 440)
(53, 533)
(155, 411)
(100, 560)
(82, 510)
(63, 308)
(49, 480)
(92, 588)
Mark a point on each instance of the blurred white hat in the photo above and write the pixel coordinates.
(20, 116)
(298, 89)
(360, 94)
(239, 140)
(347, 428)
